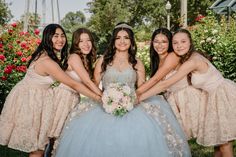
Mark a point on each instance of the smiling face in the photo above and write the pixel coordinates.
(181, 43)
(161, 44)
(58, 40)
(85, 43)
(122, 41)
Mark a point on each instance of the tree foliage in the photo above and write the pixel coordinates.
(5, 13)
(143, 15)
(72, 20)
(33, 21)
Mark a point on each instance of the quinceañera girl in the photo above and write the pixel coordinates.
(118, 128)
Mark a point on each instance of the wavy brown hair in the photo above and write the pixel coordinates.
(90, 58)
(111, 50)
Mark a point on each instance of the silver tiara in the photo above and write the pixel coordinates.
(123, 25)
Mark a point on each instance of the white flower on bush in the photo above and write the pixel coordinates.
(208, 39)
(118, 99)
(213, 41)
(202, 41)
(214, 31)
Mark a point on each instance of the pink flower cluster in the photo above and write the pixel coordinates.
(118, 99)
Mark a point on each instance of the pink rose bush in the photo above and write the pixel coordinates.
(16, 48)
(118, 99)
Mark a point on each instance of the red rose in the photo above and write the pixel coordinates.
(1, 45)
(23, 59)
(38, 41)
(21, 68)
(199, 18)
(36, 31)
(22, 33)
(8, 70)
(10, 31)
(3, 78)
(14, 24)
(2, 57)
(23, 44)
(19, 53)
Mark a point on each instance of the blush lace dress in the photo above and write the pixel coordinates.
(218, 116)
(27, 113)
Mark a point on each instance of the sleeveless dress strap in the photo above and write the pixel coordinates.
(38, 61)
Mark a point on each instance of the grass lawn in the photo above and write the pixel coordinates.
(197, 151)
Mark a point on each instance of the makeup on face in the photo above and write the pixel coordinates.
(161, 44)
(122, 42)
(181, 43)
(58, 40)
(85, 43)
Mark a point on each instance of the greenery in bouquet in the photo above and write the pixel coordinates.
(16, 48)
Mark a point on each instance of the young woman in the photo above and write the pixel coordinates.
(27, 114)
(218, 116)
(144, 131)
(181, 96)
(80, 68)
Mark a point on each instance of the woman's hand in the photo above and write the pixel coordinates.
(98, 98)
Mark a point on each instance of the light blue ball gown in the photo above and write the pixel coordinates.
(149, 130)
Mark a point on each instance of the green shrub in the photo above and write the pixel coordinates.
(217, 37)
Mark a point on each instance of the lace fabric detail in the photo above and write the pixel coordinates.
(174, 142)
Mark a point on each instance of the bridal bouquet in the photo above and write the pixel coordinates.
(118, 99)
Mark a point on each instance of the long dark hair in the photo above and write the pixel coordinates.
(89, 59)
(154, 57)
(111, 50)
(46, 45)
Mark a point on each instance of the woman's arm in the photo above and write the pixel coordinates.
(77, 65)
(97, 71)
(140, 72)
(170, 63)
(54, 70)
(186, 68)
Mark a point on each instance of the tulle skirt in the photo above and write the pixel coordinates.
(149, 130)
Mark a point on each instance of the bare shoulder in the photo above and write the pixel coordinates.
(172, 57)
(74, 57)
(45, 61)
